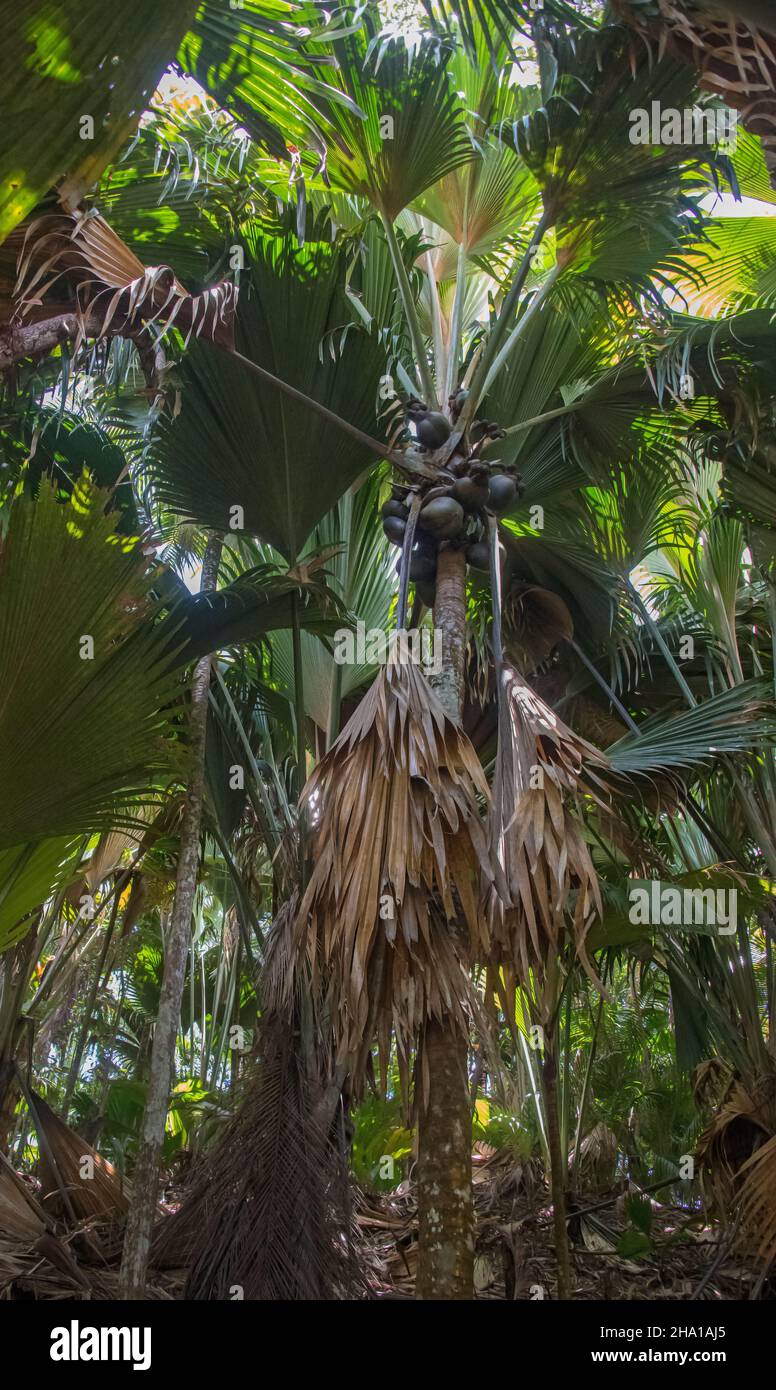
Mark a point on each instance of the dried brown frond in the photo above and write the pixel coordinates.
(24, 1231)
(757, 1201)
(543, 771)
(114, 292)
(737, 1159)
(534, 621)
(389, 919)
(594, 720)
(596, 1164)
(102, 863)
(710, 1080)
(18, 1217)
(268, 1210)
(61, 1170)
(734, 54)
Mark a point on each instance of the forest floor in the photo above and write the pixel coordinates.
(685, 1257)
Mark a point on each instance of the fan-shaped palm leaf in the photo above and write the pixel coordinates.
(75, 630)
(63, 66)
(237, 442)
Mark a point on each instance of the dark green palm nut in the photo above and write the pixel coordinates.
(501, 492)
(478, 556)
(422, 567)
(426, 592)
(395, 508)
(471, 494)
(442, 518)
(394, 529)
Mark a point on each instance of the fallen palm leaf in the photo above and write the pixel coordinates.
(18, 1217)
(22, 1220)
(596, 1163)
(737, 1159)
(71, 1170)
(757, 1200)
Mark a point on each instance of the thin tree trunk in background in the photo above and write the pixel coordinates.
(91, 999)
(445, 1210)
(145, 1179)
(18, 965)
(558, 1169)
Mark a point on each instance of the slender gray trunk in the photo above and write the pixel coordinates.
(137, 1239)
(445, 1209)
(558, 1170)
(18, 966)
(91, 999)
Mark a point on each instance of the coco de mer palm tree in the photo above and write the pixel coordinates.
(468, 264)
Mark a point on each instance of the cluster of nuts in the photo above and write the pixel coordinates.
(452, 512)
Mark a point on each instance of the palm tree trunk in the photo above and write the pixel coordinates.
(137, 1240)
(445, 1211)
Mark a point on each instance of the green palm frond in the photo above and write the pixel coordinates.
(260, 601)
(237, 442)
(413, 132)
(738, 721)
(83, 723)
(495, 21)
(249, 57)
(364, 579)
(735, 265)
(28, 875)
(581, 132)
(64, 65)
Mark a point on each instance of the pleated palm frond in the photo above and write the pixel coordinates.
(76, 629)
(28, 874)
(543, 770)
(382, 75)
(257, 602)
(491, 20)
(113, 289)
(270, 66)
(398, 851)
(737, 721)
(63, 63)
(18, 1217)
(238, 440)
(758, 1200)
(103, 1196)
